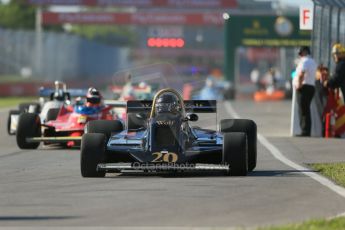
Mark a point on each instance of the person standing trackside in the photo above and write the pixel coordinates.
(338, 77)
(304, 83)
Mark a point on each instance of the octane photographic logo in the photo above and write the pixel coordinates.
(162, 166)
(177, 166)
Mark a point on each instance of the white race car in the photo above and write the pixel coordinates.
(48, 99)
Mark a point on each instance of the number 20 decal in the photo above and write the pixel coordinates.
(164, 157)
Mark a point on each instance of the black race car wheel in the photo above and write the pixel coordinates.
(29, 125)
(235, 153)
(92, 153)
(248, 127)
(9, 121)
(133, 122)
(24, 107)
(105, 127)
(52, 114)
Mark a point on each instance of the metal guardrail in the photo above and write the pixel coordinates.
(329, 27)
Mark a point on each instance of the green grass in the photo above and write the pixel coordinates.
(13, 79)
(334, 171)
(14, 101)
(318, 224)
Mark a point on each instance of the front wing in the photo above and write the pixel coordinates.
(118, 167)
(61, 139)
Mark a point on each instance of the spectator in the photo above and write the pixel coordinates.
(304, 83)
(320, 98)
(338, 77)
(255, 78)
(321, 92)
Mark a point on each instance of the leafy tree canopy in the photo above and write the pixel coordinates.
(110, 34)
(17, 15)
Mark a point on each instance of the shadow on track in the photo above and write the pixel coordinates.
(34, 218)
(278, 173)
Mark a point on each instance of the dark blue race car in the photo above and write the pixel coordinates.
(159, 137)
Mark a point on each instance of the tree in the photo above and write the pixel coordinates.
(17, 14)
(109, 34)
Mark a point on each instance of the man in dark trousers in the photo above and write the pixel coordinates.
(338, 77)
(304, 83)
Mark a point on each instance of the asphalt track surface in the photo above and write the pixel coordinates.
(44, 188)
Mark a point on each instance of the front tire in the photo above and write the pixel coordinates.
(29, 107)
(92, 153)
(249, 127)
(133, 122)
(235, 153)
(105, 127)
(29, 125)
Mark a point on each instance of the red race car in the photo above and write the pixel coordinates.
(64, 125)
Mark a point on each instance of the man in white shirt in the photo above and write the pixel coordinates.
(304, 83)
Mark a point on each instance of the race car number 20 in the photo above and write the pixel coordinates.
(164, 157)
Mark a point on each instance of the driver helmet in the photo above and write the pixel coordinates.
(338, 49)
(59, 95)
(93, 97)
(168, 103)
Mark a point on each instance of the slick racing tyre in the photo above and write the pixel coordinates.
(235, 153)
(29, 125)
(92, 154)
(52, 114)
(105, 127)
(29, 107)
(9, 121)
(23, 107)
(248, 127)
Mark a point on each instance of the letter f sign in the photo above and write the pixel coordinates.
(306, 17)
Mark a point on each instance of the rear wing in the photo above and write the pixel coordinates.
(115, 103)
(191, 106)
(47, 92)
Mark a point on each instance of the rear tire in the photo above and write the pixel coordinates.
(249, 127)
(235, 153)
(52, 114)
(25, 107)
(9, 121)
(29, 125)
(105, 127)
(133, 122)
(92, 153)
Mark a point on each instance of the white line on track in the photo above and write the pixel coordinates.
(279, 156)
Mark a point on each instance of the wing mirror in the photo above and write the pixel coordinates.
(192, 117)
(141, 116)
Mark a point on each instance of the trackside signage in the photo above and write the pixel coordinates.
(134, 19)
(306, 17)
(142, 3)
